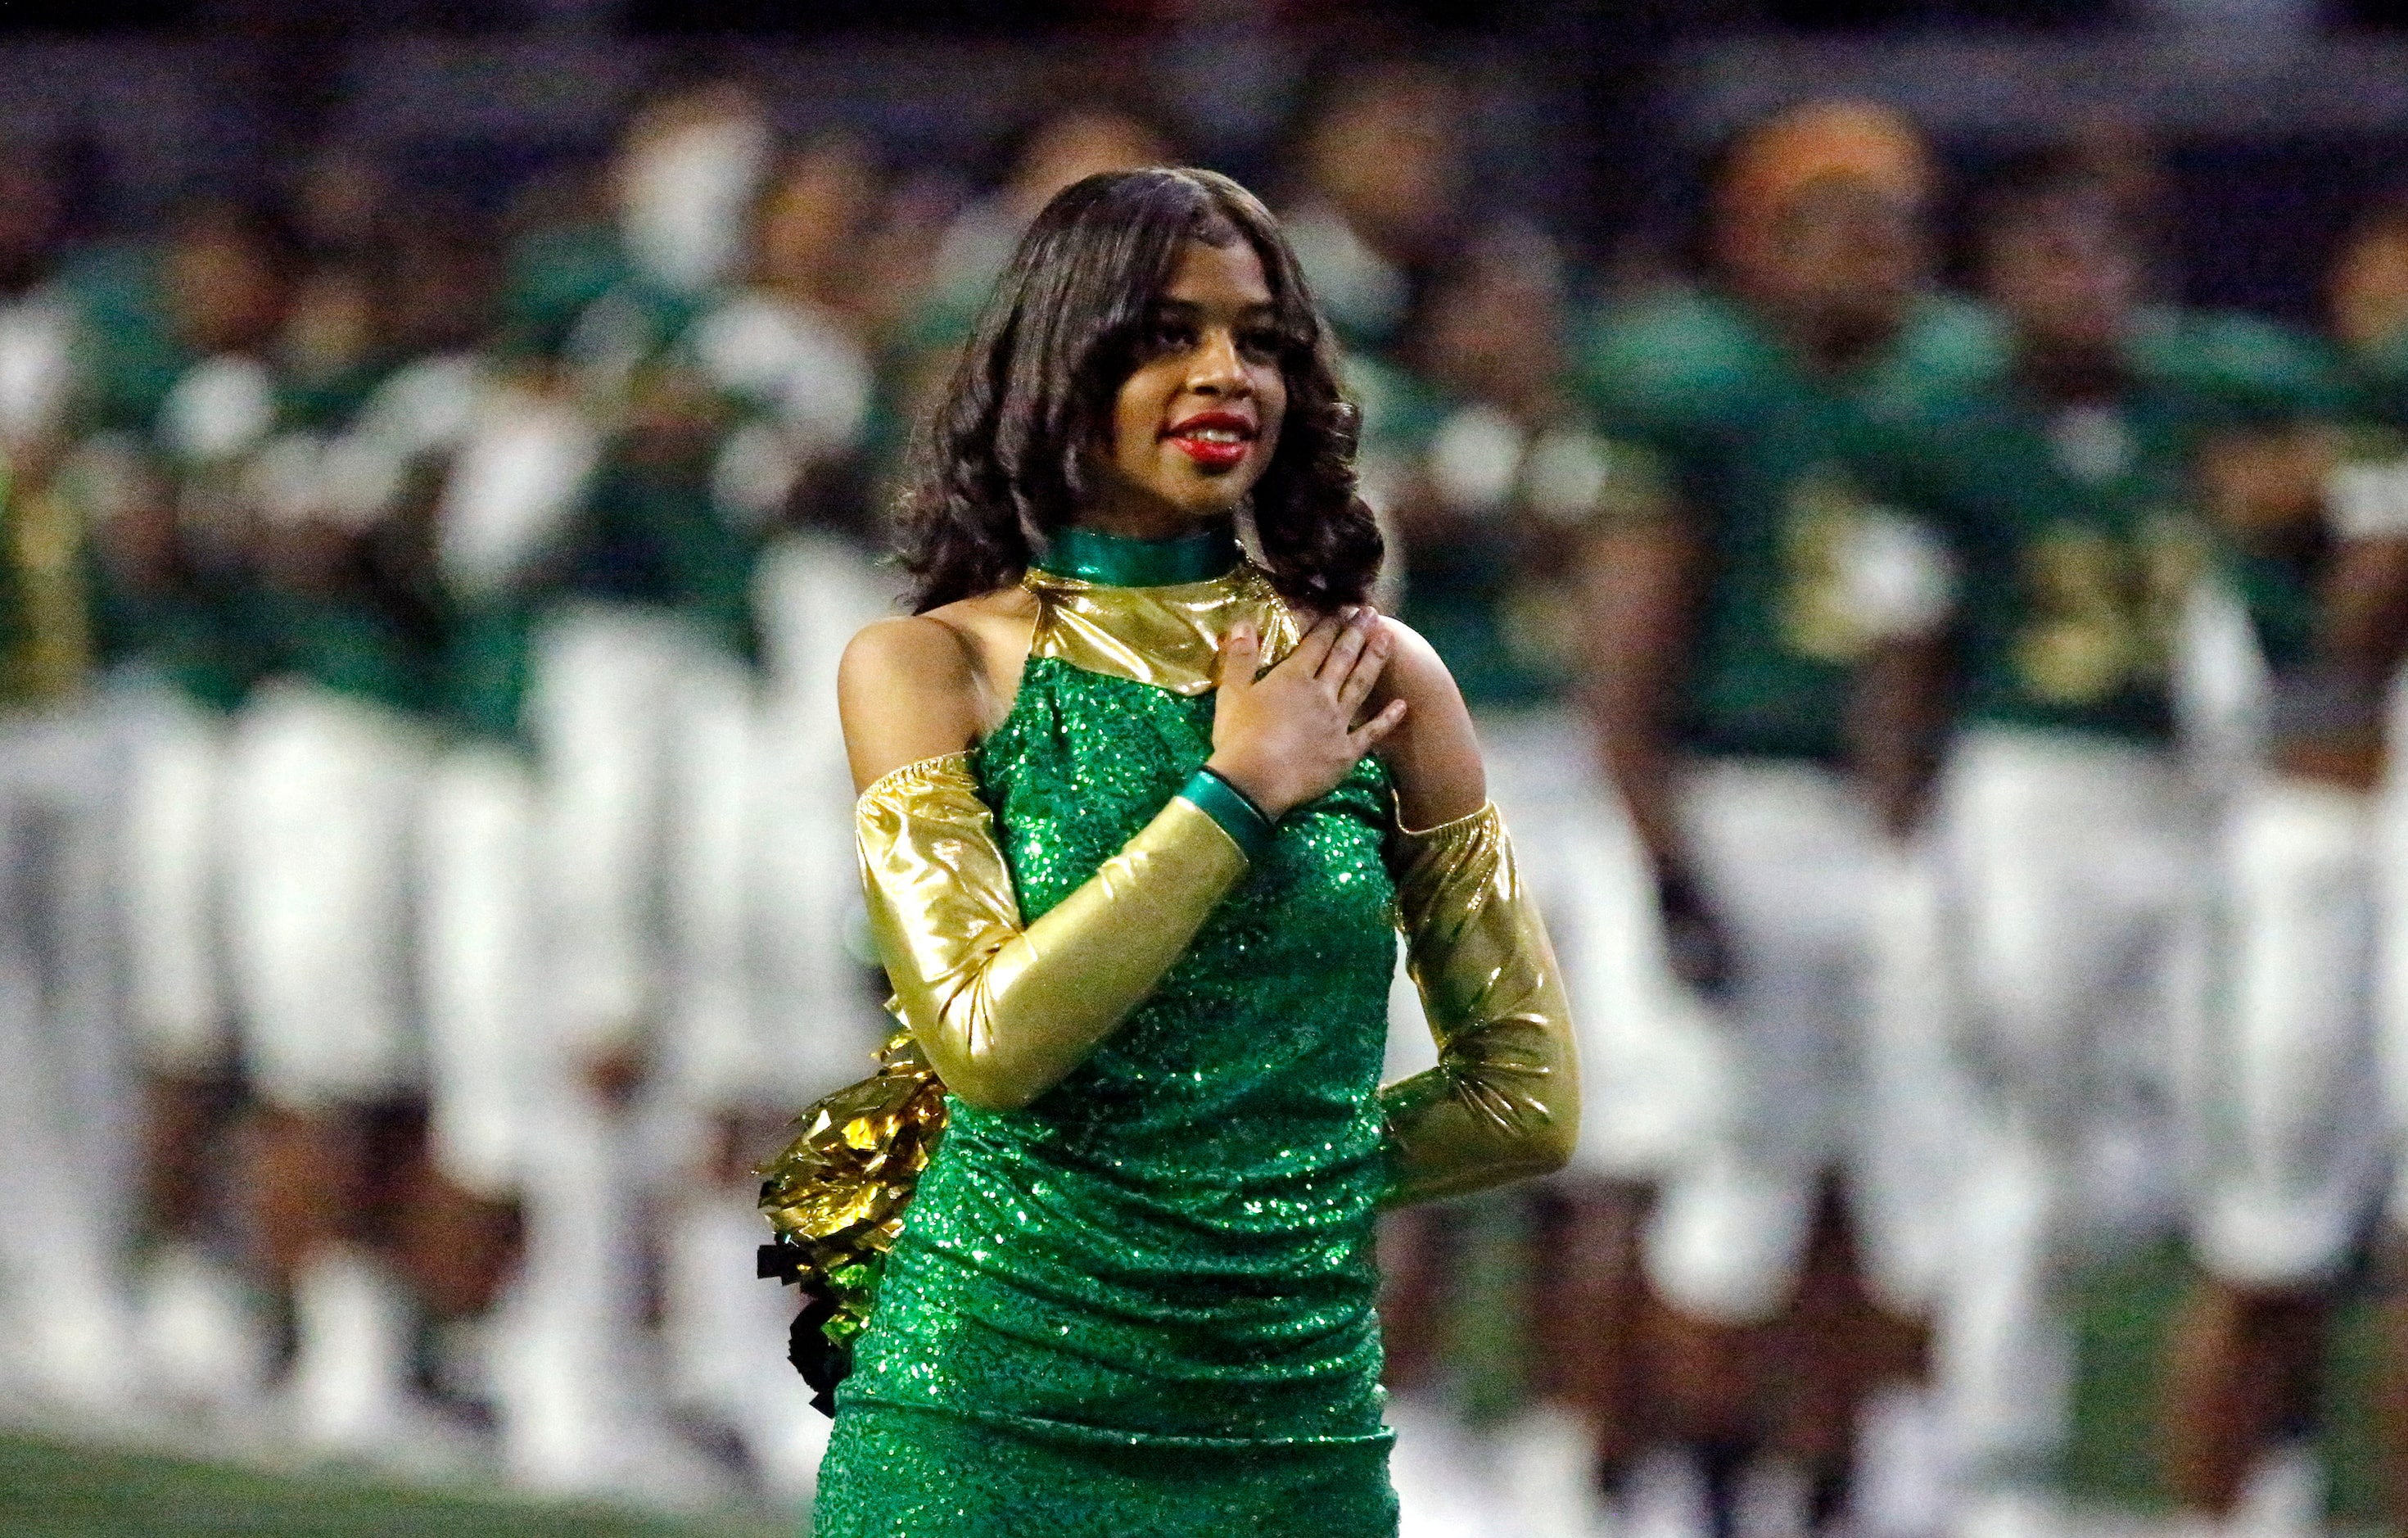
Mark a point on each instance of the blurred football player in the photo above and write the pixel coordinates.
(2357, 566)
(1485, 465)
(323, 776)
(768, 1009)
(1382, 165)
(1731, 615)
(182, 396)
(65, 1107)
(2076, 840)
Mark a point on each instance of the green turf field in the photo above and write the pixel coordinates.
(51, 1490)
(2123, 1311)
(2122, 1322)
(47, 1490)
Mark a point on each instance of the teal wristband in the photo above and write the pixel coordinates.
(1234, 810)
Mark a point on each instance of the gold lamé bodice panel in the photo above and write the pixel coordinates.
(1167, 637)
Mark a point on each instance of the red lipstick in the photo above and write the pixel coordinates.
(1215, 441)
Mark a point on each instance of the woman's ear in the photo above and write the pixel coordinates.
(1077, 487)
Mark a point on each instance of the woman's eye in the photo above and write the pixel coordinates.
(1170, 336)
(1260, 342)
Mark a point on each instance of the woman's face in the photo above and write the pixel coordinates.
(1197, 421)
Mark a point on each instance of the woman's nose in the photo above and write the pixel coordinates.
(1218, 370)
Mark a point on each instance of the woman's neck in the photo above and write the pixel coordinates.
(1094, 555)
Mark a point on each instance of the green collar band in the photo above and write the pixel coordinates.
(1112, 560)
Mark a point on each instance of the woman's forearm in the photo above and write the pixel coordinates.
(1504, 1101)
(1003, 1010)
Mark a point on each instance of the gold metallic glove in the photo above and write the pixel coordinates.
(1004, 1013)
(1504, 1101)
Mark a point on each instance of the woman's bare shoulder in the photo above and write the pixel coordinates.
(1434, 754)
(1007, 612)
(1417, 673)
(923, 686)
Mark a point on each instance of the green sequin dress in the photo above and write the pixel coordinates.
(1142, 1307)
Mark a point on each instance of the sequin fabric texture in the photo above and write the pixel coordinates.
(1143, 1304)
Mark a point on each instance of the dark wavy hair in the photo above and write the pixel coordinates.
(1010, 454)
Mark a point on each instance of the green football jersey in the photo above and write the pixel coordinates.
(2241, 373)
(651, 521)
(186, 626)
(2281, 570)
(483, 672)
(1453, 590)
(657, 534)
(1761, 450)
(191, 629)
(363, 633)
(189, 636)
(131, 357)
(2078, 529)
(641, 534)
(2378, 379)
(551, 277)
(348, 642)
(2076, 546)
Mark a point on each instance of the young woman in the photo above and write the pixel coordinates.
(1139, 818)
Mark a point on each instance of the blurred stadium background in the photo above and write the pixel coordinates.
(468, 168)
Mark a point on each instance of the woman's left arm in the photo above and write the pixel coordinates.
(1504, 1101)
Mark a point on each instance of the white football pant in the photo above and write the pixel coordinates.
(478, 957)
(2077, 873)
(66, 1093)
(605, 705)
(1831, 1042)
(2291, 1121)
(169, 880)
(321, 791)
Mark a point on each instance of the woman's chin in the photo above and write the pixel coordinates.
(1164, 506)
(1216, 498)
(1219, 510)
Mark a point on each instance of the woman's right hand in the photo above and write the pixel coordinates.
(1289, 737)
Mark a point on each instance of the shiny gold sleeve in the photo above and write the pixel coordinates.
(1504, 1101)
(1002, 1011)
